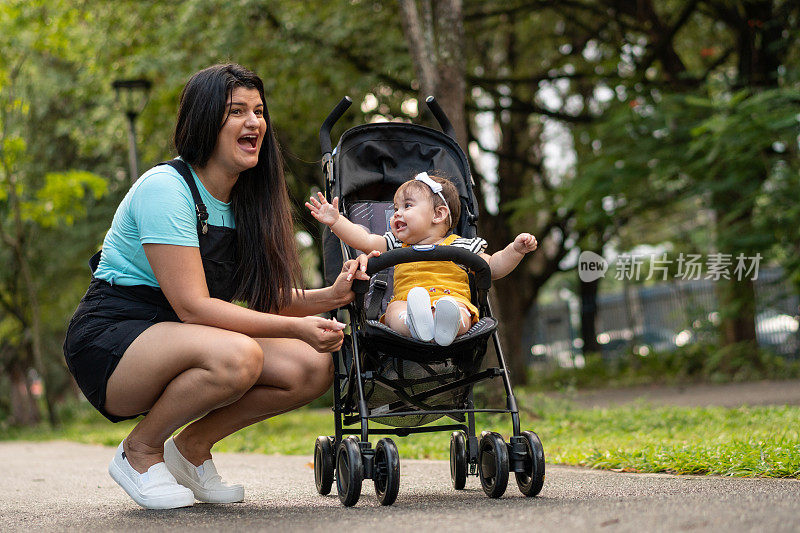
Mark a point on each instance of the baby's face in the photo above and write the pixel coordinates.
(412, 221)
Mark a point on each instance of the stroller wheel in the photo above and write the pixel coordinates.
(323, 465)
(387, 471)
(458, 460)
(531, 480)
(493, 465)
(349, 471)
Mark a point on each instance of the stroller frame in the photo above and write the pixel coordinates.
(346, 459)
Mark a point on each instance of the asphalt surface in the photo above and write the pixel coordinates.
(768, 392)
(63, 486)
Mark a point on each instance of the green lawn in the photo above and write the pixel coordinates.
(746, 441)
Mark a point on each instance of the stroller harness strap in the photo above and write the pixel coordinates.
(378, 290)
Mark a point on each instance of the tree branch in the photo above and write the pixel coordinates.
(481, 14)
(530, 107)
(662, 47)
(361, 64)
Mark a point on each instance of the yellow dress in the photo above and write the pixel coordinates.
(441, 278)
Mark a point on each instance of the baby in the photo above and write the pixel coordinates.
(431, 299)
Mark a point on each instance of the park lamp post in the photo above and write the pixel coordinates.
(132, 97)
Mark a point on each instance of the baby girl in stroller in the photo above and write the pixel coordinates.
(431, 299)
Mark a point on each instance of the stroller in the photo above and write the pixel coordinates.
(383, 377)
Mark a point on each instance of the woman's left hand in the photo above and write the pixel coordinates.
(351, 269)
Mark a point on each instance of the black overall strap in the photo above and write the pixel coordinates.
(200, 208)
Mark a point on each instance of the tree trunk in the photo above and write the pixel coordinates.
(418, 29)
(761, 51)
(449, 28)
(24, 411)
(588, 295)
(33, 329)
(737, 301)
(737, 304)
(512, 301)
(435, 36)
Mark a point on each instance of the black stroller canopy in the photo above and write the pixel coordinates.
(390, 153)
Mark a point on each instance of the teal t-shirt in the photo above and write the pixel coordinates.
(158, 209)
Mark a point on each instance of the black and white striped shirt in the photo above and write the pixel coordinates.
(476, 245)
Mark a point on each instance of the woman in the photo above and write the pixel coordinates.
(156, 333)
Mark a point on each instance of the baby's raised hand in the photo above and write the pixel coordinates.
(524, 243)
(320, 209)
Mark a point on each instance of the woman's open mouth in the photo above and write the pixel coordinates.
(248, 142)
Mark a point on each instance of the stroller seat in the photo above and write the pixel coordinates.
(381, 337)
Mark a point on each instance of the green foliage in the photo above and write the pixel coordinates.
(696, 362)
(45, 76)
(651, 163)
(689, 147)
(62, 198)
(58, 116)
(702, 172)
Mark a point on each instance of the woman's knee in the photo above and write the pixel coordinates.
(238, 365)
(318, 375)
(325, 373)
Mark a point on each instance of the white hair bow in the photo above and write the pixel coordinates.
(436, 188)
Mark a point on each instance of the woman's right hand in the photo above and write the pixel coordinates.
(320, 209)
(322, 334)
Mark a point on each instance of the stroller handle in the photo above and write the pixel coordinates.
(474, 262)
(441, 117)
(333, 117)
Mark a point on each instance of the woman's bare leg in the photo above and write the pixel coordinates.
(178, 372)
(292, 375)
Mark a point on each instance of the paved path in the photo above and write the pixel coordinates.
(57, 486)
(786, 392)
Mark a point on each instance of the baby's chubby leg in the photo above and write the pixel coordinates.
(415, 318)
(396, 317)
(466, 319)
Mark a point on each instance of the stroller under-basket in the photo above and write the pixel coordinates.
(383, 377)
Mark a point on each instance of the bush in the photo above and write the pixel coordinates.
(699, 362)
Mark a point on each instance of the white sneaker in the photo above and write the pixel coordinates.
(155, 489)
(419, 317)
(446, 320)
(203, 480)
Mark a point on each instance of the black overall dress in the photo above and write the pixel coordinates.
(109, 317)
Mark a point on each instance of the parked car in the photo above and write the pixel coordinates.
(643, 342)
(777, 331)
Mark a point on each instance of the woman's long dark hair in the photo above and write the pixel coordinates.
(268, 266)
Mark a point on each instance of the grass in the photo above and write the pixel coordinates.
(745, 441)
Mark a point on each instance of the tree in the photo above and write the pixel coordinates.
(34, 200)
(435, 35)
(696, 115)
(61, 117)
